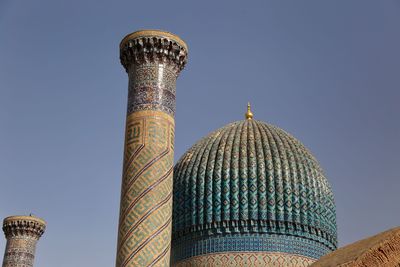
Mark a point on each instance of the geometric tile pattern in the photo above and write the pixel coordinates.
(22, 233)
(250, 177)
(146, 197)
(146, 94)
(256, 259)
(20, 251)
(249, 243)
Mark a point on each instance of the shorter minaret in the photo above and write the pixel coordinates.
(22, 234)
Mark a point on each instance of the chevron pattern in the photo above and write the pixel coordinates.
(144, 234)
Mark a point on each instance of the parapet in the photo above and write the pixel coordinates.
(24, 226)
(153, 46)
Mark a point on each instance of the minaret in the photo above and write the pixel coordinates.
(153, 60)
(22, 234)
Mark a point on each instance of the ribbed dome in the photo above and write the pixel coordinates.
(252, 177)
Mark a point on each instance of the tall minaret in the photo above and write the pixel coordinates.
(22, 233)
(153, 60)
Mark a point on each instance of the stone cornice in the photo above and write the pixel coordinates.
(23, 226)
(153, 46)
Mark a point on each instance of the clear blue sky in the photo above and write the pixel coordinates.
(325, 71)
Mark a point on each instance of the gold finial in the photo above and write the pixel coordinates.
(249, 114)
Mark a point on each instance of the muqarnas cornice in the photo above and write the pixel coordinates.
(31, 226)
(153, 46)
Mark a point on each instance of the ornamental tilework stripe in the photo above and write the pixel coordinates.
(146, 198)
(152, 87)
(250, 259)
(185, 249)
(20, 251)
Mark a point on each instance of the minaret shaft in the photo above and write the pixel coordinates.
(20, 251)
(153, 60)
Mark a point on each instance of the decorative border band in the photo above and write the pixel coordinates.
(244, 243)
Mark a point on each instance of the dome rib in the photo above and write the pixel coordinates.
(252, 174)
(304, 192)
(234, 179)
(192, 181)
(201, 183)
(287, 188)
(194, 187)
(211, 180)
(309, 194)
(243, 176)
(277, 167)
(226, 167)
(291, 176)
(180, 167)
(216, 177)
(261, 174)
(296, 173)
(270, 175)
(317, 196)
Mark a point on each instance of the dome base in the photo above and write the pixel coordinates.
(184, 249)
(247, 259)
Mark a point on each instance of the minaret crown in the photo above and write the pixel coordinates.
(153, 46)
(24, 226)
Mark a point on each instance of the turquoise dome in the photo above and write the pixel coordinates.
(251, 179)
